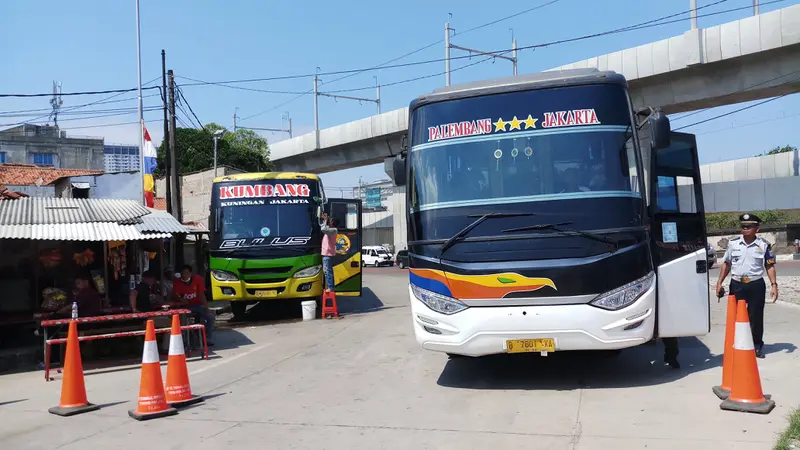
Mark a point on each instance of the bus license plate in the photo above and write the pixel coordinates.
(531, 345)
(266, 293)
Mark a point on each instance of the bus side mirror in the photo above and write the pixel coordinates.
(399, 170)
(659, 130)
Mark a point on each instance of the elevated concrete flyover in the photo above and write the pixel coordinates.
(359, 143)
(744, 60)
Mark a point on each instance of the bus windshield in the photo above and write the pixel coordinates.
(256, 213)
(254, 221)
(530, 146)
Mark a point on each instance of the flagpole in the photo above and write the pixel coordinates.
(141, 113)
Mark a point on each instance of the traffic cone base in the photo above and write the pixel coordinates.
(152, 402)
(155, 415)
(66, 411)
(764, 407)
(73, 390)
(177, 388)
(723, 391)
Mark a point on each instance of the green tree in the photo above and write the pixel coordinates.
(779, 149)
(244, 150)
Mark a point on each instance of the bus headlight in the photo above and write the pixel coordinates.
(438, 302)
(224, 275)
(625, 295)
(308, 272)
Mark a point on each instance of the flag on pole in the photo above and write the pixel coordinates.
(149, 153)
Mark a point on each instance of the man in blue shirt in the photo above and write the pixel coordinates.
(747, 259)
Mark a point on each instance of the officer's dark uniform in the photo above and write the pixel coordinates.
(749, 264)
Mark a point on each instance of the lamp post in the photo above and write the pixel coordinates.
(217, 136)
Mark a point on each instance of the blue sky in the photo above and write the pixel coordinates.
(91, 45)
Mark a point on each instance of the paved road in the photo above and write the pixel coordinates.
(362, 383)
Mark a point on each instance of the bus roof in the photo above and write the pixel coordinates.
(267, 176)
(541, 80)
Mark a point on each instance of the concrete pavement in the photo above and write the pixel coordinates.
(362, 383)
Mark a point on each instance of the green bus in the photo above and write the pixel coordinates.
(266, 240)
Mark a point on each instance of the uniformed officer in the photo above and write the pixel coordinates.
(746, 259)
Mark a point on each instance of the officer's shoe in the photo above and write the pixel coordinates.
(672, 362)
(760, 353)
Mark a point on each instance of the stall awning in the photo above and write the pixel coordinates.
(71, 219)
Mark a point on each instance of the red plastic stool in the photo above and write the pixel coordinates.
(329, 307)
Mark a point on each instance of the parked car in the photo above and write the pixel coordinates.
(401, 260)
(712, 255)
(375, 255)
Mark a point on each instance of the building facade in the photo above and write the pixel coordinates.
(45, 145)
(121, 158)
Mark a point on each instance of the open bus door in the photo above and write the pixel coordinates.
(679, 235)
(347, 262)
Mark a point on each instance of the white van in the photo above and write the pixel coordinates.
(375, 255)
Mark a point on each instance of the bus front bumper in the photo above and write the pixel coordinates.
(485, 331)
(286, 289)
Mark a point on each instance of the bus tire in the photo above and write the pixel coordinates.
(239, 309)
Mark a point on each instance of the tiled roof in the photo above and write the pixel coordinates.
(6, 194)
(29, 174)
(160, 203)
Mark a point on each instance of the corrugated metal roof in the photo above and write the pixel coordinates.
(160, 222)
(102, 231)
(42, 211)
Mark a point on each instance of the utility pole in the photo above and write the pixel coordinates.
(343, 97)
(274, 130)
(176, 243)
(693, 13)
(316, 111)
(167, 152)
(448, 45)
(378, 94)
(447, 53)
(755, 7)
(234, 119)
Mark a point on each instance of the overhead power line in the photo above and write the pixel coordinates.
(65, 94)
(639, 26)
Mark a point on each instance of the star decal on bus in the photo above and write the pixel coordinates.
(500, 125)
(530, 122)
(515, 124)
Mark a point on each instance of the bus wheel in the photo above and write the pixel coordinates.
(238, 309)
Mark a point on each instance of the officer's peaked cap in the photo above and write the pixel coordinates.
(749, 219)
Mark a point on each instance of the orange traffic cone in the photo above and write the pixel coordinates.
(73, 390)
(152, 402)
(179, 393)
(724, 390)
(746, 394)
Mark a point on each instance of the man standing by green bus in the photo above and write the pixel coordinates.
(329, 232)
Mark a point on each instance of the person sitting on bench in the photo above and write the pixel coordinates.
(90, 302)
(146, 297)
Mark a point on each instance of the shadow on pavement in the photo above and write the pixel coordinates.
(637, 366)
(779, 347)
(367, 302)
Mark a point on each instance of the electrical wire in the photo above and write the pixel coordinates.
(442, 40)
(736, 92)
(48, 110)
(186, 102)
(639, 26)
(642, 25)
(732, 112)
(67, 94)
